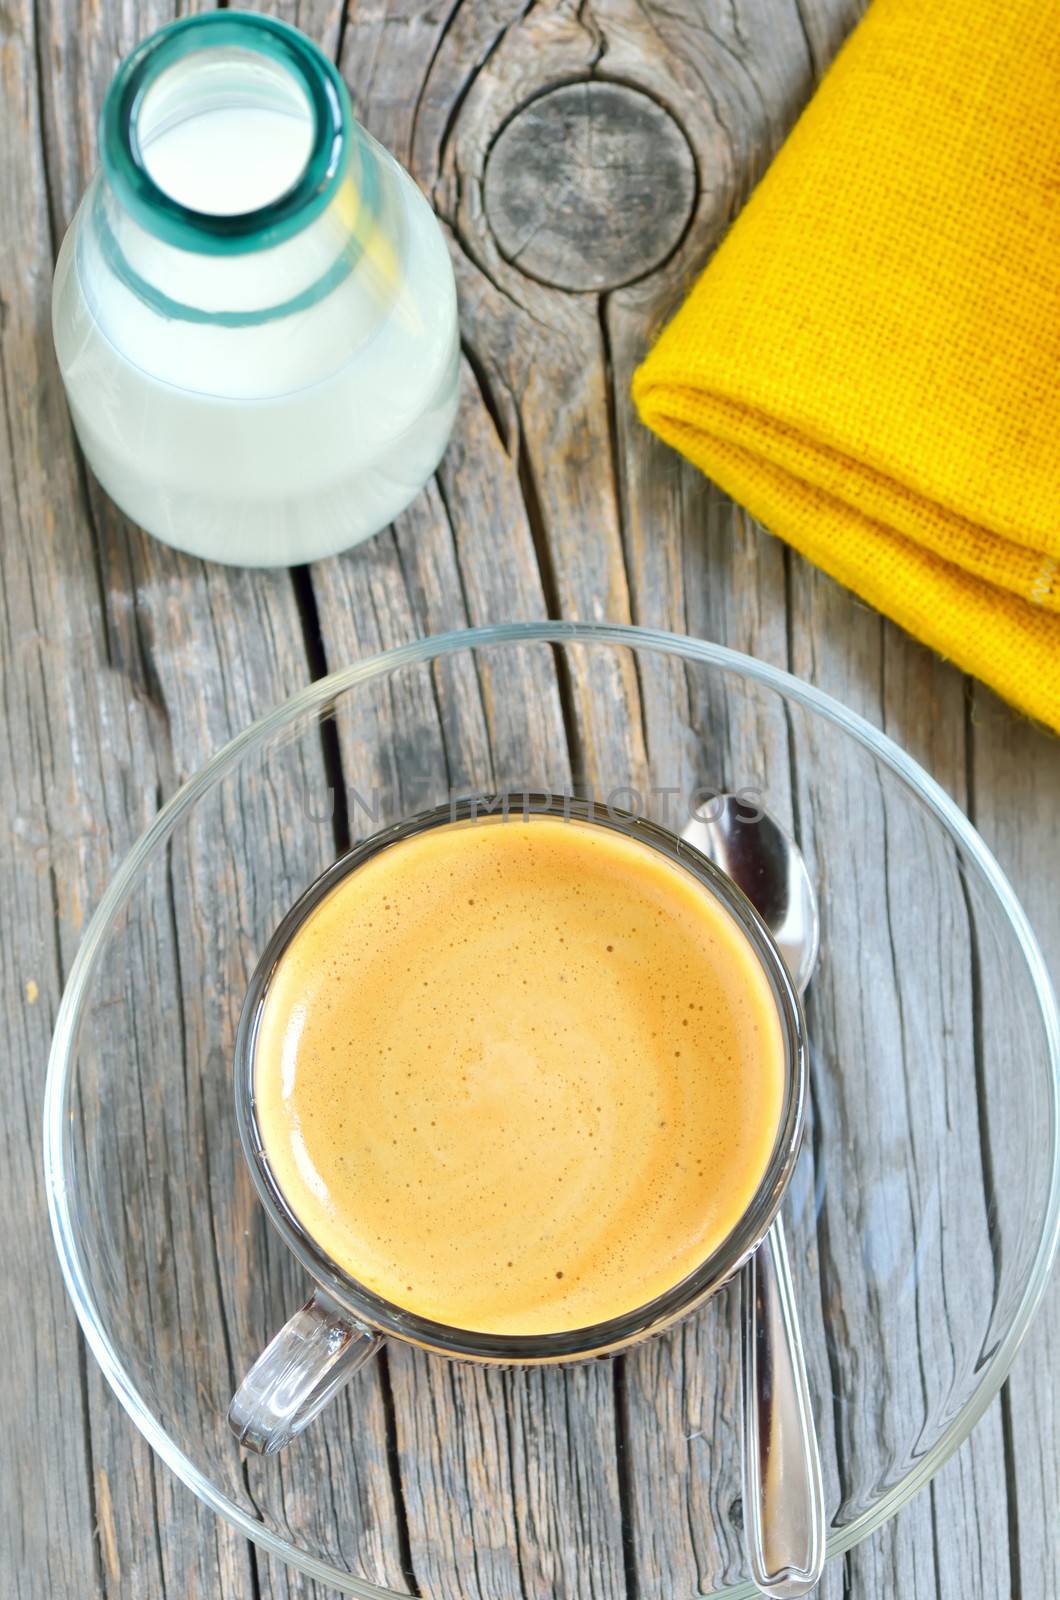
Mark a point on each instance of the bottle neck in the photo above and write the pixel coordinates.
(203, 112)
(237, 189)
(211, 110)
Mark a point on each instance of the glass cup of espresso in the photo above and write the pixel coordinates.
(514, 1087)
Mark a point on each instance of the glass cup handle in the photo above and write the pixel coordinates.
(295, 1376)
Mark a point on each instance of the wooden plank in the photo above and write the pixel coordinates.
(536, 344)
(231, 880)
(698, 566)
(916, 1036)
(68, 818)
(964, 1498)
(1015, 780)
(158, 661)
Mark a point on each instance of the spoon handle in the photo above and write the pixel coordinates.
(783, 1495)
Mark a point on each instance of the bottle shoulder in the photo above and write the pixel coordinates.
(396, 303)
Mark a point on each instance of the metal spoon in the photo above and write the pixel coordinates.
(783, 1496)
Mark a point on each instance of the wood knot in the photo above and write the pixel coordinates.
(589, 186)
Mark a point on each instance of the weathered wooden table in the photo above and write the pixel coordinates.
(531, 126)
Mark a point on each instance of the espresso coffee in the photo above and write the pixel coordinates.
(519, 1076)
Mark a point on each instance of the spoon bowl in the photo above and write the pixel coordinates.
(751, 847)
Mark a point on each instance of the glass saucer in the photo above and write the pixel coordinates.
(922, 1218)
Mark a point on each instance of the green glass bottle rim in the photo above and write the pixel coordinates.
(231, 234)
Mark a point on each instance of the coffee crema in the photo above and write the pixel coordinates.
(519, 1076)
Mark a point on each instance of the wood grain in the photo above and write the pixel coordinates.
(153, 661)
(1014, 775)
(125, 665)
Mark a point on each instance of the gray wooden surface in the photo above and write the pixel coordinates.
(125, 665)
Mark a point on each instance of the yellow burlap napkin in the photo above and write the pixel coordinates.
(871, 361)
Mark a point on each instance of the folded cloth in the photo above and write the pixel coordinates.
(871, 361)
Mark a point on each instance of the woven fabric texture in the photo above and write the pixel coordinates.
(871, 360)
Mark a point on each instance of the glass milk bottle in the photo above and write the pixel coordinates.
(254, 310)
